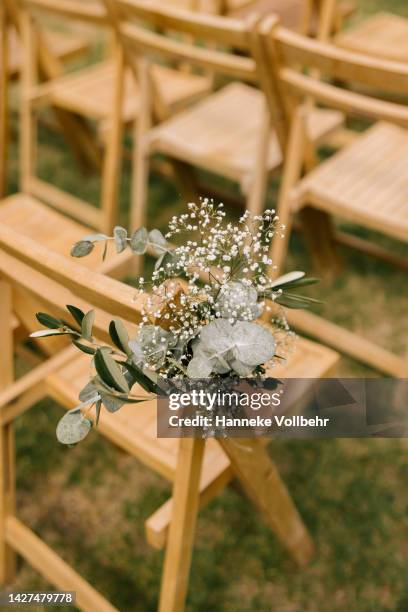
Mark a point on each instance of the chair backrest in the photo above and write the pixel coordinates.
(335, 77)
(54, 281)
(33, 13)
(144, 27)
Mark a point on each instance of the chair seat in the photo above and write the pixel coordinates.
(32, 218)
(366, 182)
(64, 46)
(90, 91)
(220, 133)
(383, 35)
(134, 427)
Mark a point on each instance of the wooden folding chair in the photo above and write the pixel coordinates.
(228, 133)
(95, 93)
(197, 468)
(365, 182)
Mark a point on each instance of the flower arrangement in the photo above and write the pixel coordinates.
(201, 314)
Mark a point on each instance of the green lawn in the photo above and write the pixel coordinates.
(90, 503)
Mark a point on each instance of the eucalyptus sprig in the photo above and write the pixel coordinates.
(204, 327)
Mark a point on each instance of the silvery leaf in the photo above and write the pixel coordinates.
(242, 369)
(199, 367)
(95, 238)
(72, 428)
(138, 356)
(120, 236)
(82, 248)
(217, 336)
(158, 241)
(88, 393)
(138, 241)
(253, 344)
(111, 403)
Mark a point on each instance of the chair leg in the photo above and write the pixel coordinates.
(320, 239)
(257, 192)
(264, 486)
(182, 527)
(3, 102)
(7, 477)
(7, 501)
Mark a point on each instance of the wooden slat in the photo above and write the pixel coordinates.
(92, 12)
(106, 293)
(163, 16)
(341, 64)
(52, 567)
(144, 41)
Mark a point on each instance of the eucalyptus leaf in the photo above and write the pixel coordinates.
(48, 320)
(111, 403)
(98, 406)
(137, 354)
(82, 248)
(139, 240)
(240, 368)
(77, 313)
(216, 336)
(110, 372)
(120, 235)
(139, 376)
(87, 324)
(253, 344)
(158, 241)
(89, 393)
(199, 367)
(73, 427)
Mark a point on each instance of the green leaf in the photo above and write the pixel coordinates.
(76, 313)
(302, 282)
(140, 377)
(73, 427)
(120, 235)
(139, 240)
(87, 324)
(110, 372)
(286, 278)
(48, 321)
(295, 301)
(89, 350)
(82, 248)
(119, 335)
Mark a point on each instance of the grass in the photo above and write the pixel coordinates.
(90, 503)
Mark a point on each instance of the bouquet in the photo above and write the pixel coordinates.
(203, 316)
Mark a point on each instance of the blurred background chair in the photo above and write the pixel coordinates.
(364, 183)
(229, 132)
(197, 468)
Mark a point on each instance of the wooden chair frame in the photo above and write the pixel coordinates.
(28, 267)
(142, 46)
(287, 55)
(35, 95)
